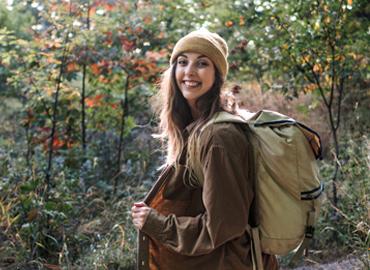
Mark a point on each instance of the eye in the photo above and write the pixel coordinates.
(203, 63)
(182, 61)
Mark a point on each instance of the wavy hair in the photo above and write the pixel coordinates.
(175, 115)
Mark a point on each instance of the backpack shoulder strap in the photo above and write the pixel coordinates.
(226, 117)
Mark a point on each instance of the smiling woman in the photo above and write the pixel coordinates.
(185, 222)
(195, 75)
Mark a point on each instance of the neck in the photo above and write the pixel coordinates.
(194, 112)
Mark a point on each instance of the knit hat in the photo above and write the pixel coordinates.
(207, 43)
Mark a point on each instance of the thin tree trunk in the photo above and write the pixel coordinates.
(43, 223)
(124, 107)
(54, 123)
(83, 112)
(83, 94)
(336, 158)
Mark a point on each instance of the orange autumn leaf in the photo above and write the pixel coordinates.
(71, 67)
(92, 11)
(109, 7)
(114, 105)
(95, 69)
(102, 79)
(94, 101)
(52, 60)
(229, 23)
(57, 143)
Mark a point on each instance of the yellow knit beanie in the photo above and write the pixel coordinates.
(207, 43)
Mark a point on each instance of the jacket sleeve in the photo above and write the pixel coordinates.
(226, 198)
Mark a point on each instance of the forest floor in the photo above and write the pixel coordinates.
(350, 262)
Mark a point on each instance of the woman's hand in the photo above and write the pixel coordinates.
(139, 213)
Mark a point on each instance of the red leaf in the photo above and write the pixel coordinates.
(95, 69)
(94, 101)
(156, 55)
(109, 7)
(72, 67)
(57, 143)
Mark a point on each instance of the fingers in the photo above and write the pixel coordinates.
(139, 213)
(136, 207)
(139, 204)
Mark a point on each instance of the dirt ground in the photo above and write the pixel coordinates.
(349, 263)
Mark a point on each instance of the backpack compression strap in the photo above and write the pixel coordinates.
(307, 239)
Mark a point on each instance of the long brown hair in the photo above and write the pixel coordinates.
(175, 115)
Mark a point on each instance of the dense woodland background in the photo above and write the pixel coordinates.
(76, 125)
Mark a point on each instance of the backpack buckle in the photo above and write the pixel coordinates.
(309, 231)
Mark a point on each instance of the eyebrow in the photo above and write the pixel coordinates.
(200, 56)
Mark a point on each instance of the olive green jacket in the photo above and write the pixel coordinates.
(205, 227)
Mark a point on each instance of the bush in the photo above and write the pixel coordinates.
(346, 227)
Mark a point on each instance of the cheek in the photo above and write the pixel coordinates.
(209, 78)
(178, 75)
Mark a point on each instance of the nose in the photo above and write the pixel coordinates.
(190, 69)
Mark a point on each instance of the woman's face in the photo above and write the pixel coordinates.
(195, 75)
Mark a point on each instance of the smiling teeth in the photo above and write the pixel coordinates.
(192, 84)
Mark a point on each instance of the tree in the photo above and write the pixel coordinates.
(304, 47)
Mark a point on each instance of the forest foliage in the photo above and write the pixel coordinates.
(76, 146)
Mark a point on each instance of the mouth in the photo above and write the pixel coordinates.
(191, 84)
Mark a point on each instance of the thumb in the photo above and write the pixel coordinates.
(139, 204)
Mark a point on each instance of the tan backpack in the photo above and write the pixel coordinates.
(288, 189)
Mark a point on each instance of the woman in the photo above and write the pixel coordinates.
(196, 214)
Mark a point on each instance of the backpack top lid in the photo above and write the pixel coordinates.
(269, 118)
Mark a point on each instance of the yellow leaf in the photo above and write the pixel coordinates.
(241, 21)
(310, 88)
(339, 58)
(316, 26)
(306, 59)
(317, 68)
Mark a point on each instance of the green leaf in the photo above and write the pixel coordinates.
(29, 186)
